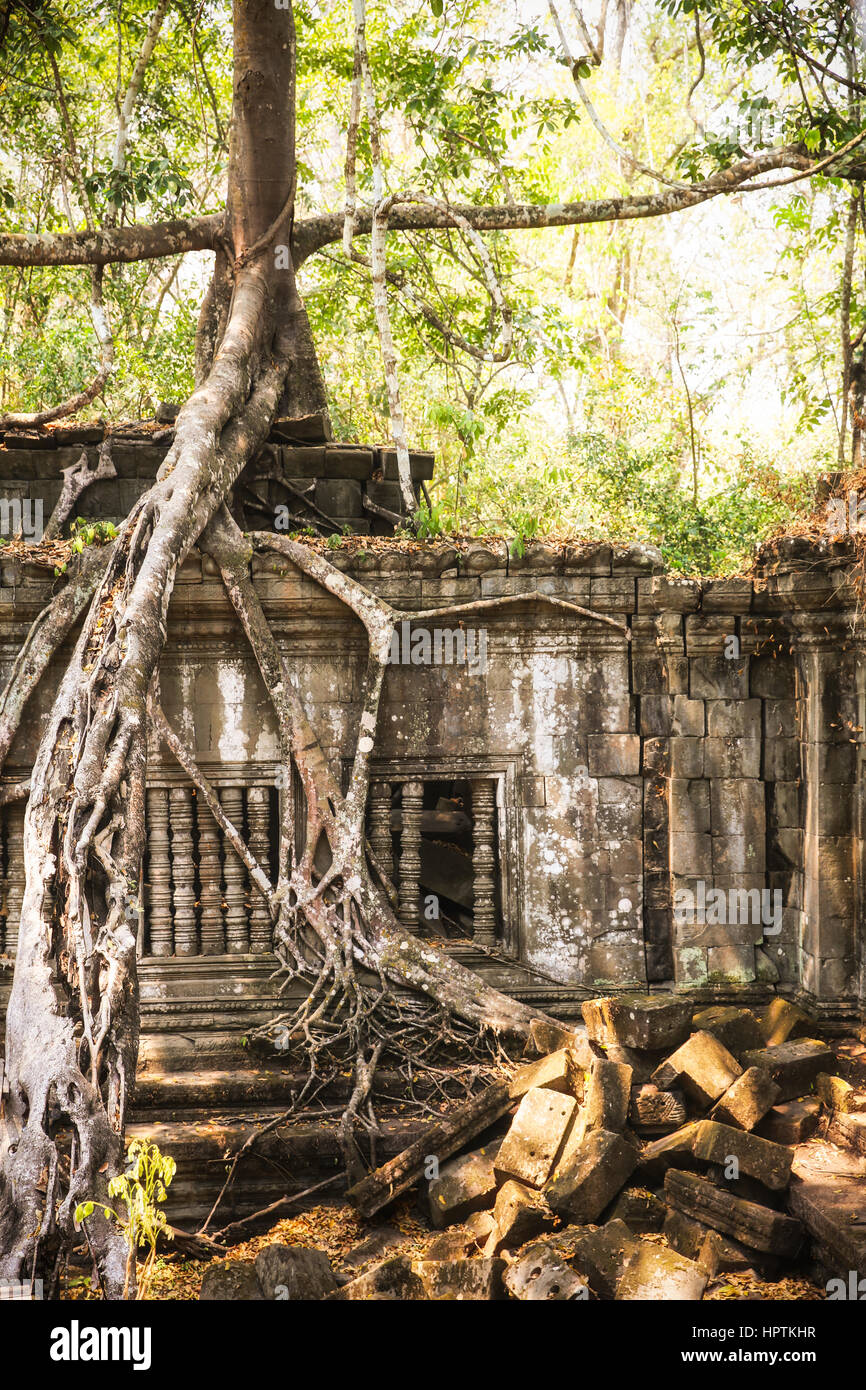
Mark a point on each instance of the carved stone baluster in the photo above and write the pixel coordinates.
(484, 860)
(410, 857)
(237, 925)
(259, 817)
(158, 874)
(213, 937)
(379, 826)
(15, 876)
(183, 872)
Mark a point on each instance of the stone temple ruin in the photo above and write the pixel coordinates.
(662, 793)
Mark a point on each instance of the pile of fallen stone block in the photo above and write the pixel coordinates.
(646, 1155)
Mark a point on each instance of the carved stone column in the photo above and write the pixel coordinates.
(379, 826)
(183, 872)
(259, 817)
(484, 860)
(410, 857)
(15, 876)
(213, 937)
(237, 925)
(159, 931)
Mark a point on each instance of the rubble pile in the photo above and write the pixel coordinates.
(646, 1155)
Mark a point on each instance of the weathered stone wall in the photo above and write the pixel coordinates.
(707, 738)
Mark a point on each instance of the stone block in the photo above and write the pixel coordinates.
(702, 1066)
(461, 1280)
(781, 1021)
(550, 1037)
(230, 1281)
(718, 678)
(792, 1065)
(691, 854)
(652, 1111)
(464, 1185)
(654, 1274)
(835, 1092)
(726, 595)
(520, 1213)
(732, 756)
(689, 805)
(758, 1158)
(289, 1272)
(731, 964)
(673, 1151)
(653, 1022)
(738, 718)
(339, 496)
(848, 1131)
(708, 1248)
(689, 717)
(639, 1209)
(746, 1103)
(614, 755)
(535, 1138)
(607, 1096)
(792, 1122)
(393, 1281)
(557, 1071)
(737, 1029)
(600, 1255)
(687, 757)
(589, 1176)
(540, 1274)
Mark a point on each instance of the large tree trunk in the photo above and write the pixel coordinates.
(72, 1025)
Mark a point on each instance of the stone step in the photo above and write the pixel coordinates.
(288, 1160)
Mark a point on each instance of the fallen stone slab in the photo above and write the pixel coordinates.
(653, 1022)
(793, 1066)
(464, 1185)
(231, 1281)
(736, 1029)
(372, 1247)
(747, 1101)
(520, 1214)
(760, 1228)
(654, 1274)
(557, 1071)
(652, 1111)
(792, 1122)
(535, 1138)
(589, 1175)
(290, 1272)
(540, 1274)
(768, 1163)
(608, 1092)
(394, 1280)
(640, 1209)
(703, 1067)
(782, 1021)
(461, 1280)
(828, 1194)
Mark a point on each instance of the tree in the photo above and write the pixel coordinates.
(69, 1074)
